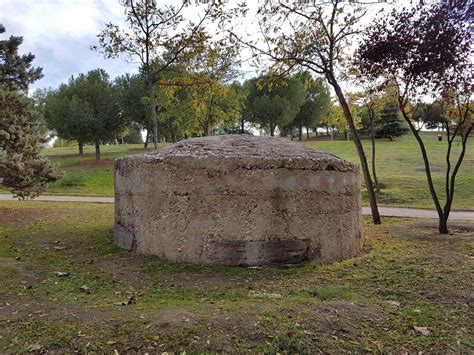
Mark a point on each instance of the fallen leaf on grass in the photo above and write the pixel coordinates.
(34, 347)
(394, 303)
(85, 289)
(61, 273)
(422, 330)
(130, 300)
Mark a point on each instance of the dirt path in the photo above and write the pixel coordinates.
(384, 211)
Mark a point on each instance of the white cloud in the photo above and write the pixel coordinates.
(60, 32)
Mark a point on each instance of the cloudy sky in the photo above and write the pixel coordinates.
(60, 32)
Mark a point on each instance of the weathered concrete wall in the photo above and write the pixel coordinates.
(239, 200)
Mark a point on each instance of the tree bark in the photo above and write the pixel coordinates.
(97, 150)
(207, 123)
(442, 225)
(451, 181)
(147, 137)
(372, 138)
(154, 119)
(81, 148)
(359, 147)
(242, 126)
(300, 132)
(150, 80)
(307, 132)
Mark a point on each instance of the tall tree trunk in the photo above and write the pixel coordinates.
(451, 180)
(81, 148)
(97, 150)
(300, 132)
(442, 224)
(207, 126)
(149, 82)
(272, 130)
(307, 132)
(359, 147)
(155, 121)
(147, 137)
(372, 138)
(154, 116)
(242, 126)
(327, 130)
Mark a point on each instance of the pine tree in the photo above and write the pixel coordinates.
(390, 123)
(22, 168)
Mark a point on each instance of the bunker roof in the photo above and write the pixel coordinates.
(246, 152)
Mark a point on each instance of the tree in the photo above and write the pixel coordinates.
(22, 167)
(427, 50)
(316, 104)
(429, 114)
(131, 134)
(298, 35)
(275, 103)
(335, 117)
(239, 92)
(86, 110)
(131, 94)
(38, 99)
(155, 35)
(211, 68)
(371, 101)
(65, 114)
(390, 123)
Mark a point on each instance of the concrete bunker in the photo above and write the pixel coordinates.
(238, 200)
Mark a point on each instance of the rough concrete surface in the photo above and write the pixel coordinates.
(238, 200)
(404, 212)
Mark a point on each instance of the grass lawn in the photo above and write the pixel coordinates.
(399, 164)
(401, 172)
(85, 176)
(66, 287)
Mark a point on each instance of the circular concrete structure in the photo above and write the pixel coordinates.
(238, 200)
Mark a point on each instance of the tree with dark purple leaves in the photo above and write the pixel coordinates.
(427, 51)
